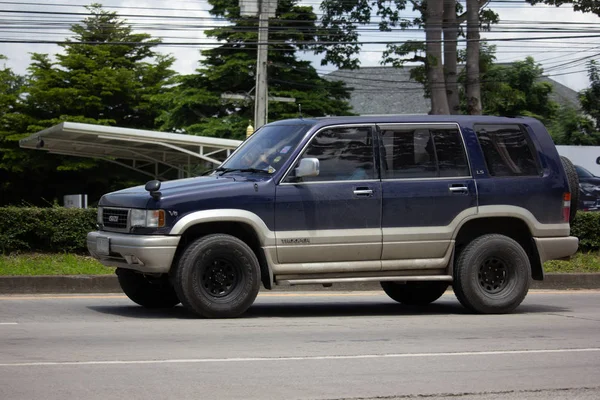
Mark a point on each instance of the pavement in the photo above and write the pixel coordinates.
(300, 345)
(109, 284)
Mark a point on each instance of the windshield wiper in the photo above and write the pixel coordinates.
(253, 170)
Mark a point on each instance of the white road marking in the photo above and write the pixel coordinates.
(9, 323)
(300, 358)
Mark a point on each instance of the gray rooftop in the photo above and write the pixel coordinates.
(389, 90)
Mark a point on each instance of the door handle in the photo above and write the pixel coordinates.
(363, 192)
(459, 189)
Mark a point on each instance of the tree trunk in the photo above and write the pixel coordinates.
(473, 81)
(451, 56)
(435, 69)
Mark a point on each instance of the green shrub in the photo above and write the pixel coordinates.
(60, 230)
(48, 230)
(587, 228)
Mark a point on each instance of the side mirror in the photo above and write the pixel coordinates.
(308, 167)
(153, 187)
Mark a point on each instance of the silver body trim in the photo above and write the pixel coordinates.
(437, 278)
(265, 235)
(144, 253)
(556, 247)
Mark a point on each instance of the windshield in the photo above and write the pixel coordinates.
(267, 149)
(583, 173)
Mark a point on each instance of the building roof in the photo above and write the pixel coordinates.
(390, 90)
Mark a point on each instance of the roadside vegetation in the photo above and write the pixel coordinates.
(32, 264)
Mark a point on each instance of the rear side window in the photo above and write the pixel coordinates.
(423, 151)
(508, 150)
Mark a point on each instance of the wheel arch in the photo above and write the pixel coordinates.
(513, 227)
(246, 226)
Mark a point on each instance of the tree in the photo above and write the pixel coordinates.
(451, 33)
(570, 127)
(473, 85)
(106, 75)
(434, 13)
(339, 33)
(517, 89)
(590, 97)
(585, 6)
(196, 106)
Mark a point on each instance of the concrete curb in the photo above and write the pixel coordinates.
(109, 284)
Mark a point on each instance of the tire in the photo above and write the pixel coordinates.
(573, 179)
(478, 284)
(218, 276)
(414, 293)
(145, 291)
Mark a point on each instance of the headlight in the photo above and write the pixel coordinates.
(99, 219)
(588, 187)
(147, 218)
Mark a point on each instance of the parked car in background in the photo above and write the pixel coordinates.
(589, 189)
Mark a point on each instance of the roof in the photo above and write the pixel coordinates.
(390, 90)
(383, 90)
(133, 148)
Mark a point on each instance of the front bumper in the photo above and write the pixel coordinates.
(144, 253)
(554, 248)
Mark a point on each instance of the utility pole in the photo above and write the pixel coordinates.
(261, 107)
(264, 9)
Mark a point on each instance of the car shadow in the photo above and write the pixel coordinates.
(311, 309)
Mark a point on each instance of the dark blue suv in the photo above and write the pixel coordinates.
(416, 203)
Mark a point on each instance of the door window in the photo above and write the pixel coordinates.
(423, 152)
(343, 154)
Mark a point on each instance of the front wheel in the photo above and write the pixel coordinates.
(414, 293)
(492, 275)
(218, 276)
(147, 291)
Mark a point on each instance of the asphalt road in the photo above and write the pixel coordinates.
(300, 346)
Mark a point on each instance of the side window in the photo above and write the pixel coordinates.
(423, 152)
(343, 153)
(508, 150)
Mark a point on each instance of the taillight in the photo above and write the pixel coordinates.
(566, 206)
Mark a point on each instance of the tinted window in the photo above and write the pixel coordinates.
(343, 153)
(583, 173)
(423, 152)
(507, 150)
(268, 148)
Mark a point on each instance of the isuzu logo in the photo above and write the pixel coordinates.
(113, 218)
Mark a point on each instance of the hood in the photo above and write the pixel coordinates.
(138, 197)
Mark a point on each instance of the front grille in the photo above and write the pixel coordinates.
(115, 217)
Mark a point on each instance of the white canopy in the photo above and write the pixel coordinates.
(141, 150)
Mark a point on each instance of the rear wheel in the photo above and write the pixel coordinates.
(218, 276)
(149, 292)
(573, 179)
(414, 293)
(492, 275)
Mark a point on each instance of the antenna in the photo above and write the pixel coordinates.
(299, 110)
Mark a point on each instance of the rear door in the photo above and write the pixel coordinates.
(427, 189)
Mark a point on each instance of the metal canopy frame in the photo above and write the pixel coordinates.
(143, 151)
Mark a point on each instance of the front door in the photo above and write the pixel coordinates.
(334, 217)
(427, 191)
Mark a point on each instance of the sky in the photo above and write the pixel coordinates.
(178, 21)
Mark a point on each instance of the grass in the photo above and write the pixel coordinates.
(580, 263)
(71, 264)
(50, 264)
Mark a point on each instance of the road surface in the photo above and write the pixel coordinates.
(295, 345)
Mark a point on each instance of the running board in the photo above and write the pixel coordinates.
(437, 278)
